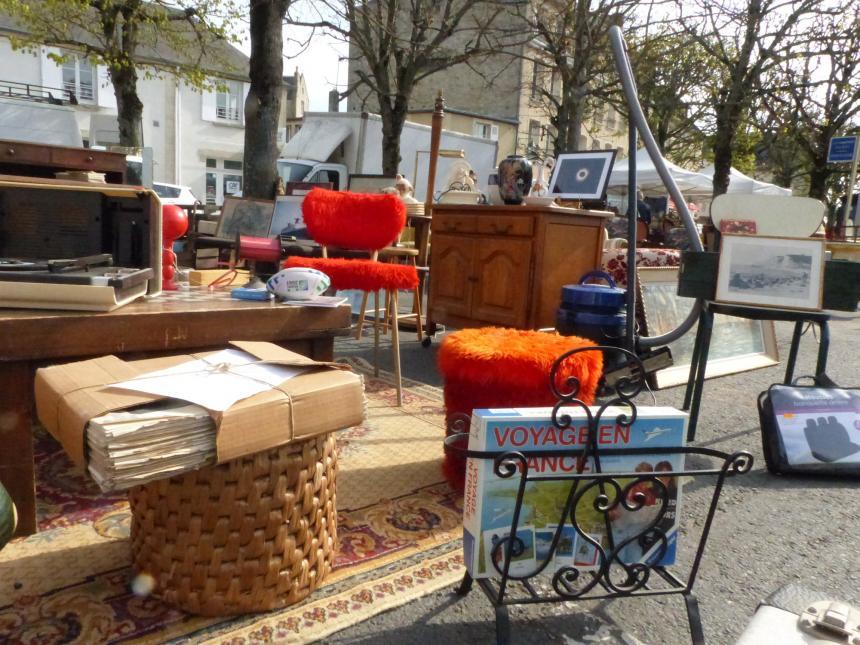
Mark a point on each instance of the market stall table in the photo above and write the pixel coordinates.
(192, 320)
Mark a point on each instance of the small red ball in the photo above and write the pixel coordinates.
(174, 222)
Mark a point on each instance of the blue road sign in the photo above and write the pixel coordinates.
(841, 149)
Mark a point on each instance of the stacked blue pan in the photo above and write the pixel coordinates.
(593, 311)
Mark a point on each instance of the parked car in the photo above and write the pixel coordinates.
(173, 194)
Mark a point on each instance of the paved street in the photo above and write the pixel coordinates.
(769, 531)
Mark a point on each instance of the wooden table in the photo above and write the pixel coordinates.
(166, 324)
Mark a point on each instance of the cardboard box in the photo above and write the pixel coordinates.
(328, 398)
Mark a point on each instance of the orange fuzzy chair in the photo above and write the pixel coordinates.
(365, 222)
(497, 367)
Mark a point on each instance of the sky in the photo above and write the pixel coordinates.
(318, 61)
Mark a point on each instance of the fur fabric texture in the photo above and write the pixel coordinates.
(497, 367)
(364, 275)
(353, 220)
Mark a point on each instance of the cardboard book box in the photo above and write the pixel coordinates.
(321, 400)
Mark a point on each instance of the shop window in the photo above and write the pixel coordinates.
(223, 178)
(78, 75)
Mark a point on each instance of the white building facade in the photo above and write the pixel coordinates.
(197, 138)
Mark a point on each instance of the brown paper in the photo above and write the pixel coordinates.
(319, 401)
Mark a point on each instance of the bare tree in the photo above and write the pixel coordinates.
(125, 36)
(744, 40)
(395, 45)
(263, 105)
(818, 94)
(670, 70)
(571, 45)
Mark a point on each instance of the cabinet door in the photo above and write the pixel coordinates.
(450, 288)
(500, 293)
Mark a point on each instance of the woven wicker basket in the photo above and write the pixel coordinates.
(253, 534)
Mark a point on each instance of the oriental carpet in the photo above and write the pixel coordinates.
(399, 526)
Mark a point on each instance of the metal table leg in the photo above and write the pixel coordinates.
(823, 348)
(792, 352)
(707, 325)
(694, 364)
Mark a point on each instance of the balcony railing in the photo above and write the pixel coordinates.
(37, 93)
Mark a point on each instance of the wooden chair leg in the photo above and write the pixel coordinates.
(387, 313)
(419, 327)
(364, 298)
(395, 347)
(376, 333)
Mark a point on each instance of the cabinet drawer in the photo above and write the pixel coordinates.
(11, 152)
(506, 225)
(453, 224)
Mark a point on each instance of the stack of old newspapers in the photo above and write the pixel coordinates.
(150, 442)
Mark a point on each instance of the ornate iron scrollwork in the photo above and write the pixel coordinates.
(644, 496)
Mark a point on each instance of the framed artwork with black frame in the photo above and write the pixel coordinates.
(582, 175)
(737, 344)
(245, 217)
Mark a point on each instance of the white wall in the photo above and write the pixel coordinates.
(195, 138)
(200, 139)
(18, 66)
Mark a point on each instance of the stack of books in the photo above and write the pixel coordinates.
(150, 442)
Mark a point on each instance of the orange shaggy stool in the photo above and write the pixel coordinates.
(495, 367)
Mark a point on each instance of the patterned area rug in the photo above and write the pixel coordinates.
(399, 526)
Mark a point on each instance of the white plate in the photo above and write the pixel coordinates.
(774, 216)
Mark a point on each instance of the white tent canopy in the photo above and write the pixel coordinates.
(648, 179)
(741, 183)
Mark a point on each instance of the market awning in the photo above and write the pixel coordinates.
(316, 140)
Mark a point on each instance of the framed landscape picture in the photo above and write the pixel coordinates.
(737, 344)
(245, 217)
(288, 219)
(781, 272)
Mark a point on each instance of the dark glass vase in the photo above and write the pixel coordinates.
(515, 179)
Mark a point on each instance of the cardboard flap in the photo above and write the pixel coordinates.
(276, 355)
(68, 396)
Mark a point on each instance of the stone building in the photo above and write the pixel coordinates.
(497, 97)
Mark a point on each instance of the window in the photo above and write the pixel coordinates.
(327, 175)
(482, 130)
(610, 118)
(596, 145)
(78, 78)
(227, 100)
(535, 80)
(534, 134)
(223, 178)
(582, 142)
(608, 146)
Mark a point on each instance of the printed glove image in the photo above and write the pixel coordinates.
(828, 439)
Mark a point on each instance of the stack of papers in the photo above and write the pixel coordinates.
(150, 442)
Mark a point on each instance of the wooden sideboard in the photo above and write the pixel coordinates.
(37, 160)
(505, 265)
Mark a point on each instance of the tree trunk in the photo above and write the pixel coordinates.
(393, 118)
(818, 174)
(724, 139)
(129, 109)
(263, 105)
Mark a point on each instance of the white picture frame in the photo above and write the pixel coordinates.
(770, 271)
(737, 344)
(582, 175)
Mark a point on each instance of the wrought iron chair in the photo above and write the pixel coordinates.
(603, 493)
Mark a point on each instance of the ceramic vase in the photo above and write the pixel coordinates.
(515, 179)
